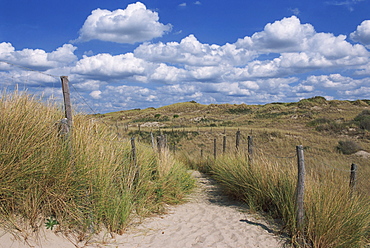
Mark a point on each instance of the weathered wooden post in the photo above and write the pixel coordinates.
(153, 141)
(133, 151)
(161, 143)
(224, 145)
(250, 148)
(300, 190)
(352, 180)
(67, 101)
(237, 140)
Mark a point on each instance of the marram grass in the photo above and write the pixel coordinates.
(84, 182)
(333, 217)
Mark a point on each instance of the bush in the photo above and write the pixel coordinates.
(348, 147)
(318, 121)
(363, 119)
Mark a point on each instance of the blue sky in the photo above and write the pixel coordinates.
(125, 54)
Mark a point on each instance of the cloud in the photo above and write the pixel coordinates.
(362, 33)
(36, 58)
(348, 3)
(192, 52)
(286, 61)
(295, 11)
(96, 94)
(182, 4)
(134, 24)
(108, 66)
(286, 35)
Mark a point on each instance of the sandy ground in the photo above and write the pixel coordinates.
(208, 219)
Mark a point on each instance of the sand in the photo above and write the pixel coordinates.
(208, 219)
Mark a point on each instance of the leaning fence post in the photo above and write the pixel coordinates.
(224, 145)
(352, 180)
(300, 189)
(67, 122)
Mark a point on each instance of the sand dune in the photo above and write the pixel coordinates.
(208, 219)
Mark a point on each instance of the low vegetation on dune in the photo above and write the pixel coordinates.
(334, 134)
(85, 181)
(96, 177)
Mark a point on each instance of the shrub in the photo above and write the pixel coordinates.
(348, 147)
(363, 119)
(318, 121)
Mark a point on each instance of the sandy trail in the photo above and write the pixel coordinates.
(208, 219)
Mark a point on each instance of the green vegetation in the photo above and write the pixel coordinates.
(333, 217)
(92, 181)
(85, 182)
(331, 131)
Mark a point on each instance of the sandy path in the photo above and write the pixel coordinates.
(208, 219)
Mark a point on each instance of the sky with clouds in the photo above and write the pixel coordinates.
(122, 55)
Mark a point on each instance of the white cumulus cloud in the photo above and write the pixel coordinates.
(109, 66)
(362, 33)
(190, 51)
(134, 24)
(38, 58)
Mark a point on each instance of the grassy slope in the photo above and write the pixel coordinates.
(275, 119)
(332, 218)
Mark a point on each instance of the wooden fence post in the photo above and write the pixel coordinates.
(250, 147)
(352, 180)
(153, 141)
(300, 189)
(161, 143)
(133, 151)
(237, 140)
(224, 145)
(67, 101)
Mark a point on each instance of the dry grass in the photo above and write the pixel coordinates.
(333, 217)
(86, 181)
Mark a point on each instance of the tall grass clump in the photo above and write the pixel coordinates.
(87, 181)
(333, 216)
